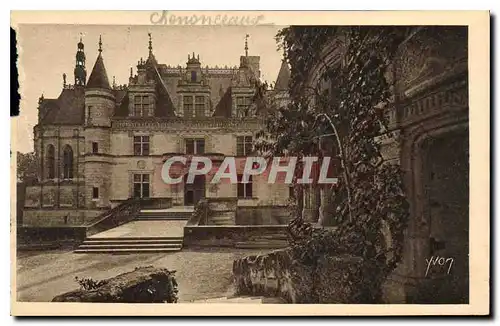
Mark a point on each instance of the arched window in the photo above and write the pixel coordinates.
(67, 162)
(51, 168)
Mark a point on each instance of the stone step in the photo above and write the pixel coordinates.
(163, 213)
(124, 250)
(160, 218)
(132, 241)
(261, 244)
(130, 246)
(132, 238)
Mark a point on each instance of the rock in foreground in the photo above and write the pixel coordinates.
(143, 285)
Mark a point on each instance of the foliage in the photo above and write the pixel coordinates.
(348, 104)
(26, 166)
(89, 284)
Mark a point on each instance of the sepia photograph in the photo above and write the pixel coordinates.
(217, 158)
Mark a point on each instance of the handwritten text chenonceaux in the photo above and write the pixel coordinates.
(165, 18)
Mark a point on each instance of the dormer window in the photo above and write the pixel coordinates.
(193, 76)
(142, 106)
(242, 105)
(188, 106)
(199, 109)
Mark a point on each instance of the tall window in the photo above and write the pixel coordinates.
(89, 111)
(95, 147)
(242, 105)
(193, 76)
(142, 105)
(188, 106)
(244, 189)
(141, 145)
(195, 146)
(199, 106)
(141, 185)
(51, 168)
(243, 145)
(95, 192)
(67, 162)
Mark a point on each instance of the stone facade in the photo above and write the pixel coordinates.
(100, 144)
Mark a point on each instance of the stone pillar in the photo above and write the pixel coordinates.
(311, 204)
(325, 200)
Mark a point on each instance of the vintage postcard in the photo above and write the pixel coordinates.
(251, 163)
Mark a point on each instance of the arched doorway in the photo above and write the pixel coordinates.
(445, 209)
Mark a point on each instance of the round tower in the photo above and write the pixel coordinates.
(99, 107)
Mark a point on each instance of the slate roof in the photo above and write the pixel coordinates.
(283, 77)
(98, 78)
(67, 109)
(164, 105)
(224, 107)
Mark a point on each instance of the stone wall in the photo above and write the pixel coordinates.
(262, 215)
(58, 217)
(38, 237)
(232, 235)
(66, 194)
(280, 274)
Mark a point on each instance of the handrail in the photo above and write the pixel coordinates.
(123, 213)
(201, 213)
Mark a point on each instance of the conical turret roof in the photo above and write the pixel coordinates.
(98, 78)
(283, 77)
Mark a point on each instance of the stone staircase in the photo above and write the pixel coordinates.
(151, 231)
(175, 215)
(125, 245)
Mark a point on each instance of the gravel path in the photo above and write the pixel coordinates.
(201, 274)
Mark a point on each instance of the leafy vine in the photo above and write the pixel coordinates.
(348, 106)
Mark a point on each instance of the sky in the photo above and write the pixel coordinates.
(48, 51)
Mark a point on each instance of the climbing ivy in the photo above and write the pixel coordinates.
(370, 207)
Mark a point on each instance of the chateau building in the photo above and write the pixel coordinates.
(99, 144)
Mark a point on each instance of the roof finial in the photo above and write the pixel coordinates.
(150, 44)
(130, 72)
(114, 82)
(246, 45)
(64, 80)
(81, 34)
(100, 44)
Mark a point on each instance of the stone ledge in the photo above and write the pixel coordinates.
(332, 279)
